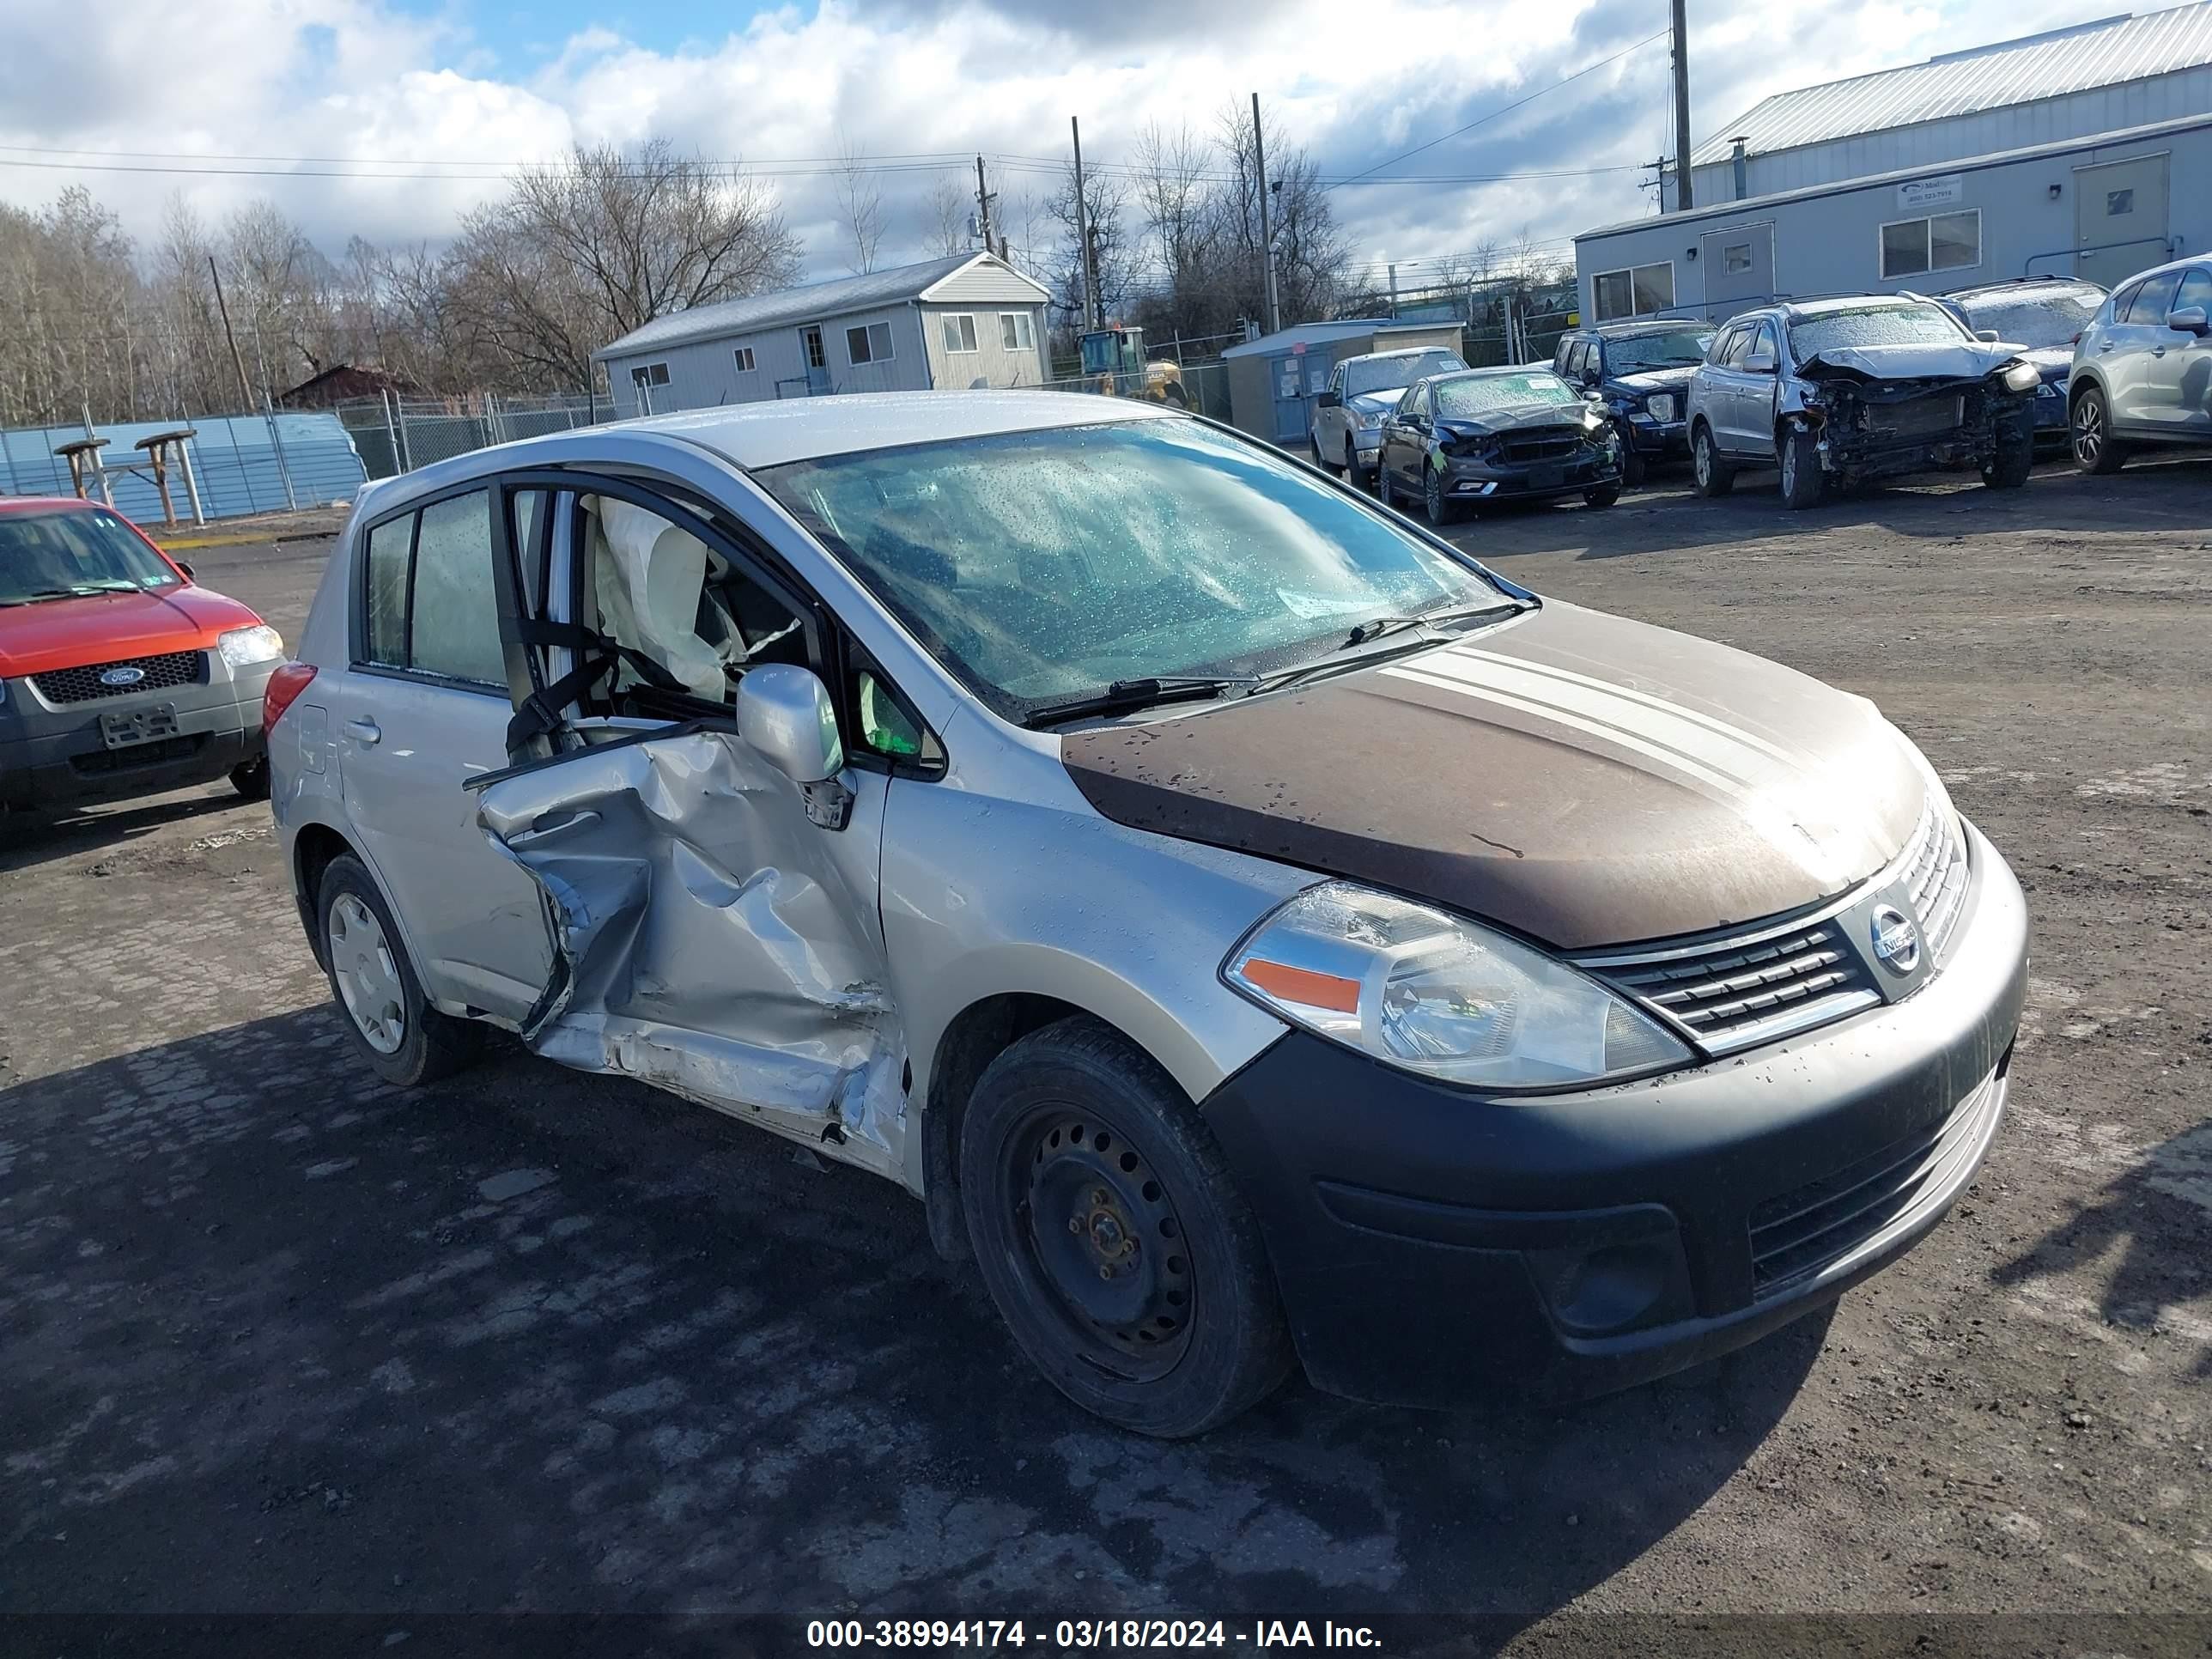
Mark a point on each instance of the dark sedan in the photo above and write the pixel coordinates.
(2042, 316)
(1493, 435)
(1642, 372)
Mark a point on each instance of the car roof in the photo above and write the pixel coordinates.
(1797, 308)
(772, 433)
(1397, 351)
(1491, 371)
(1649, 326)
(2183, 264)
(48, 504)
(2019, 284)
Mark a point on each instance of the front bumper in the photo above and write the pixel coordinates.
(1658, 440)
(1473, 480)
(1436, 1247)
(56, 754)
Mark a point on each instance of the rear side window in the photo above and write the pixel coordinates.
(2196, 290)
(429, 604)
(2152, 299)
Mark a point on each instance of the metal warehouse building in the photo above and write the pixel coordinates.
(966, 320)
(2086, 151)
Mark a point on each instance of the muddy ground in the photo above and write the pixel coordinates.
(278, 1339)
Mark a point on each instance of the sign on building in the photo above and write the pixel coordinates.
(1922, 194)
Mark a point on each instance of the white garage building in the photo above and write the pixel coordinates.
(2085, 151)
(965, 320)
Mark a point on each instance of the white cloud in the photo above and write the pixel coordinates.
(1353, 83)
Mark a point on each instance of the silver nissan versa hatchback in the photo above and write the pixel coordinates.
(1259, 934)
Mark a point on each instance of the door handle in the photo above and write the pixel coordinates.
(2102, 346)
(365, 731)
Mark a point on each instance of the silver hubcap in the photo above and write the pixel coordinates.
(368, 977)
(1704, 460)
(1788, 468)
(2089, 432)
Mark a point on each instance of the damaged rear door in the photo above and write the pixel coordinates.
(713, 924)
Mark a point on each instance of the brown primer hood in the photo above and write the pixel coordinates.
(1577, 777)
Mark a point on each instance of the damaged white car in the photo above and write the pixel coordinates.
(1260, 934)
(1841, 392)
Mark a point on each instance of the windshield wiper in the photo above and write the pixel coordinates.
(1378, 628)
(1124, 696)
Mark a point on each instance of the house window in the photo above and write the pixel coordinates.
(869, 344)
(960, 334)
(1015, 332)
(1945, 241)
(1636, 292)
(1735, 260)
(649, 374)
(745, 356)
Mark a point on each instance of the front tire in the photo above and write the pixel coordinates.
(1442, 510)
(1111, 1235)
(1801, 479)
(1710, 476)
(1322, 461)
(2095, 450)
(2009, 467)
(1632, 464)
(393, 1027)
(1601, 496)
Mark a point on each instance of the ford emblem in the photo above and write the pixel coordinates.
(1896, 941)
(125, 674)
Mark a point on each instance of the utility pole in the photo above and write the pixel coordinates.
(984, 199)
(1266, 218)
(1084, 253)
(236, 362)
(1681, 106)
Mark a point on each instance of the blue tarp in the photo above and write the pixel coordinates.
(235, 460)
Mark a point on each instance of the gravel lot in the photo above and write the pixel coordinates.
(278, 1338)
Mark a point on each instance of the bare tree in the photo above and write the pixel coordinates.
(588, 249)
(860, 207)
(944, 217)
(1113, 262)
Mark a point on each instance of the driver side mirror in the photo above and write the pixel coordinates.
(1986, 336)
(1331, 399)
(2188, 320)
(1592, 395)
(186, 568)
(1761, 361)
(785, 713)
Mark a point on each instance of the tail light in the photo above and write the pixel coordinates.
(285, 684)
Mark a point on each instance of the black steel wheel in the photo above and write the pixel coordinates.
(1112, 1238)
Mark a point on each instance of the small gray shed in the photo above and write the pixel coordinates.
(1273, 380)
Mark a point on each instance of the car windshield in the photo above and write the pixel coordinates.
(1638, 352)
(1362, 376)
(2048, 316)
(1875, 325)
(62, 555)
(1042, 567)
(1472, 396)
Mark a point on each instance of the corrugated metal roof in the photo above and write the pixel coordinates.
(2099, 54)
(813, 302)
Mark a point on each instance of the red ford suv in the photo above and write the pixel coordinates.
(118, 675)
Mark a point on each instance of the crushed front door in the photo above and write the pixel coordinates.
(708, 936)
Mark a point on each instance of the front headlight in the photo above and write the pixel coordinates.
(2022, 377)
(1661, 406)
(1439, 996)
(242, 647)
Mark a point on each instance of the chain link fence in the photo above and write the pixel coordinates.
(398, 435)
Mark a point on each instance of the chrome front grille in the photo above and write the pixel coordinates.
(1746, 987)
(1935, 875)
(161, 673)
(1811, 1227)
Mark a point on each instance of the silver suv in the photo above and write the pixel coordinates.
(1845, 391)
(2142, 368)
(1348, 416)
(1259, 934)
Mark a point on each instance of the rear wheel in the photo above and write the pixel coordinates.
(251, 778)
(1113, 1239)
(1322, 460)
(1709, 474)
(393, 1027)
(1801, 480)
(2095, 449)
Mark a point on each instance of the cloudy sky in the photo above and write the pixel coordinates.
(435, 99)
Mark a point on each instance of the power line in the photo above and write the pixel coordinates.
(1509, 108)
